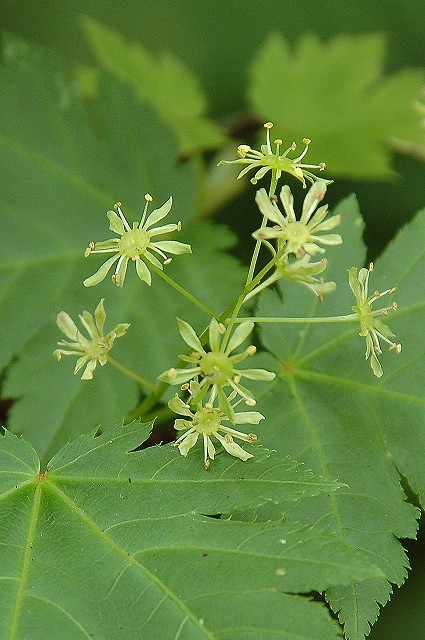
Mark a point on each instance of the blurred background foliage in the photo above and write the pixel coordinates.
(218, 42)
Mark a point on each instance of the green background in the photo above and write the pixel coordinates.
(217, 40)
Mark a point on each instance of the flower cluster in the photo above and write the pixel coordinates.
(276, 161)
(371, 327)
(207, 421)
(91, 350)
(136, 243)
(216, 368)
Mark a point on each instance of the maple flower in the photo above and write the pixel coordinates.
(298, 236)
(206, 421)
(217, 368)
(275, 161)
(136, 243)
(302, 271)
(371, 327)
(91, 350)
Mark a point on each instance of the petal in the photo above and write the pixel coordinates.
(67, 325)
(158, 214)
(210, 448)
(100, 316)
(160, 231)
(257, 374)
(315, 195)
(177, 405)
(152, 259)
(120, 271)
(115, 223)
(328, 239)
(188, 442)
(100, 273)
(171, 246)
(268, 233)
(239, 335)
(248, 417)
(189, 336)
(287, 200)
(233, 448)
(269, 209)
(143, 272)
(178, 376)
(214, 335)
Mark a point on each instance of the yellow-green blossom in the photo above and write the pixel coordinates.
(371, 327)
(216, 368)
(298, 236)
(206, 421)
(275, 161)
(302, 271)
(136, 243)
(91, 350)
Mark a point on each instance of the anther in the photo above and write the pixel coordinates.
(250, 402)
(243, 150)
(306, 141)
(252, 437)
(116, 279)
(179, 226)
(251, 350)
(148, 197)
(117, 205)
(167, 261)
(221, 328)
(322, 166)
(89, 249)
(268, 125)
(394, 306)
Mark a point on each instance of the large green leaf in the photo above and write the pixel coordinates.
(164, 83)
(63, 165)
(336, 94)
(327, 409)
(108, 543)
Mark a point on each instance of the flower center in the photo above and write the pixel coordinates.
(217, 367)
(206, 422)
(133, 243)
(98, 348)
(297, 235)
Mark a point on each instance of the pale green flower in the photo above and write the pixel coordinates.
(371, 327)
(216, 368)
(136, 243)
(298, 236)
(206, 421)
(91, 350)
(302, 271)
(275, 161)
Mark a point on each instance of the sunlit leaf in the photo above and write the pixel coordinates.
(336, 93)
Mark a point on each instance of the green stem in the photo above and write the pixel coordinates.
(263, 224)
(352, 317)
(183, 291)
(131, 374)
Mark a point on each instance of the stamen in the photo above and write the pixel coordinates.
(251, 350)
(250, 402)
(252, 437)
